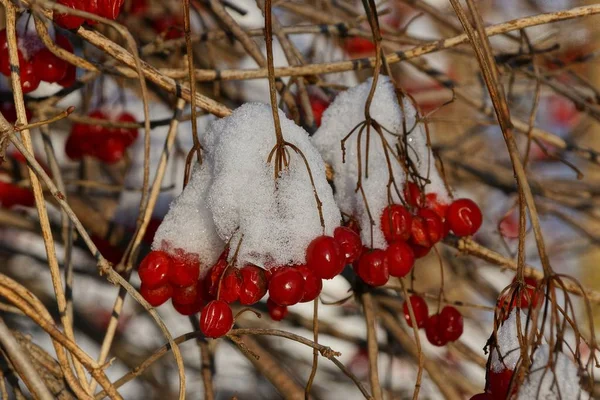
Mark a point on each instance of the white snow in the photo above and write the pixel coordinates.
(342, 116)
(276, 218)
(188, 225)
(542, 383)
(508, 342)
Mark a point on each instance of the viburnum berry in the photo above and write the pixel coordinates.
(531, 294)
(356, 46)
(127, 135)
(412, 194)
(230, 286)
(432, 203)
(396, 223)
(418, 250)
(49, 67)
(185, 295)
(434, 331)
(464, 217)
(154, 268)
(187, 309)
(482, 396)
(216, 319)
(69, 21)
(324, 257)
(427, 228)
(156, 295)
(420, 310)
(4, 61)
(91, 6)
(276, 312)
(71, 72)
(212, 279)
(109, 9)
(110, 150)
(372, 268)
(170, 26)
(498, 383)
(349, 242)
(254, 284)
(12, 195)
(312, 284)
(318, 106)
(451, 322)
(286, 287)
(30, 79)
(184, 272)
(400, 259)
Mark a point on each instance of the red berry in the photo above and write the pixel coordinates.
(431, 202)
(109, 8)
(418, 250)
(434, 331)
(70, 76)
(420, 310)
(187, 309)
(185, 295)
(400, 259)
(318, 106)
(373, 268)
(73, 148)
(324, 257)
(427, 228)
(157, 295)
(4, 61)
(412, 194)
(231, 285)
(154, 268)
(49, 67)
(184, 272)
(286, 287)
(349, 242)
(127, 135)
(530, 295)
(395, 223)
(357, 46)
(91, 6)
(498, 383)
(451, 321)
(254, 284)
(276, 312)
(169, 26)
(110, 150)
(464, 217)
(69, 21)
(9, 112)
(216, 319)
(213, 278)
(12, 195)
(138, 7)
(30, 79)
(482, 396)
(312, 284)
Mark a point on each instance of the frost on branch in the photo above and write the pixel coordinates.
(275, 219)
(342, 117)
(561, 381)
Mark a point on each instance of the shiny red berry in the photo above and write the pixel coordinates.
(276, 312)
(451, 321)
(184, 272)
(216, 319)
(128, 135)
(312, 284)
(432, 202)
(412, 194)
(4, 61)
(464, 217)
(213, 278)
(286, 287)
(49, 67)
(230, 285)
(68, 21)
(434, 331)
(372, 268)
(70, 76)
(185, 295)
(418, 251)
(531, 294)
(171, 27)
(110, 150)
(318, 106)
(420, 310)
(324, 257)
(254, 284)
(109, 9)
(395, 223)
(154, 268)
(91, 6)
(349, 242)
(498, 383)
(427, 228)
(187, 309)
(157, 295)
(30, 80)
(400, 259)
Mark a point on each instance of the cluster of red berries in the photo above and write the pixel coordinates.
(530, 297)
(447, 326)
(109, 9)
(411, 235)
(42, 65)
(104, 143)
(497, 385)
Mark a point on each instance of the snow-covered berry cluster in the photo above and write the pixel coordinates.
(104, 143)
